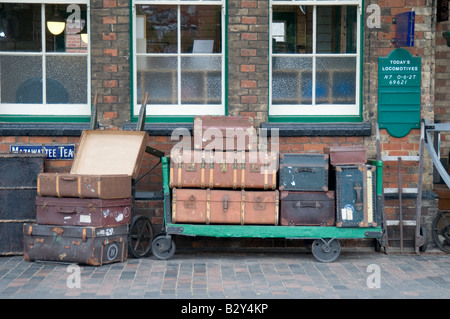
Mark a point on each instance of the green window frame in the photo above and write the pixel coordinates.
(302, 77)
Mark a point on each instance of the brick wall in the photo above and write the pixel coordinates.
(110, 60)
(248, 58)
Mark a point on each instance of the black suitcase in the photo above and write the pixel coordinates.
(356, 196)
(18, 176)
(75, 244)
(303, 172)
(307, 208)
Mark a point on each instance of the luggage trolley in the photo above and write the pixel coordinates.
(325, 246)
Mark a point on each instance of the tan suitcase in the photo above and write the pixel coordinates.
(224, 169)
(207, 206)
(84, 186)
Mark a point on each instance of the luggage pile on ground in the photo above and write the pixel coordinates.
(83, 216)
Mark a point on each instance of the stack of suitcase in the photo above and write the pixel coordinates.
(355, 184)
(224, 180)
(83, 216)
(305, 198)
(335, 188)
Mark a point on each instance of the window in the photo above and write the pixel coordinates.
(44, 71)
(315, 59)
(179, 58)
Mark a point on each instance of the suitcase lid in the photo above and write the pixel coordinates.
(304, 159)
(222, 122)
(351, 148)
(110, 153)
(74, 231)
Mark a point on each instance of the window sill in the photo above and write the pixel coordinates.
(160, 129)
(318, 129)
(42, 129)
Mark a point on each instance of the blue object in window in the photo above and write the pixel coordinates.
(30, 92)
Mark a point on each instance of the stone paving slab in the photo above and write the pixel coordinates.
(240, 275)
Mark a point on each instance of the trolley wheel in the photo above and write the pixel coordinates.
(140, 237)
(163, 247)
(326, 250)
(441, 231)
(423, 233)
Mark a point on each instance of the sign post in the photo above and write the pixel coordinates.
(399, 85)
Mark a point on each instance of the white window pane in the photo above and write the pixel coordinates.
(18, 25)
(156, 29)
(201, 80)
(336, 80)
(158, 77)
(66, 79)
(292, 80)
(21, 79)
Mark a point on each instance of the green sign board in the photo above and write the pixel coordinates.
(399, 83)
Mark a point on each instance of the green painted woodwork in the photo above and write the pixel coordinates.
(253, 231)
(399, 92)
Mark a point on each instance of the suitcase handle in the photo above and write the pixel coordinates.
(68, 178)
(305, 169)
(315, 204)
(225, 203)
(69, 210)
(358, 204)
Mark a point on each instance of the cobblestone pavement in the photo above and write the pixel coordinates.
(241, 275)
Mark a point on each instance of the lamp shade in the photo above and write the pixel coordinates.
(56, 23)
(83, 34)
(56, 27)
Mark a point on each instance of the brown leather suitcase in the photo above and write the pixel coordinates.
(84, 186)
(207, 206)
(83, 211)
(224, 169)
(346, 155)
(224, 133)
(307, 208)
(73, 244)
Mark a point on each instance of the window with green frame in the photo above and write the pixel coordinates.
(179, 57)
(44, 60)
(315, 60)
